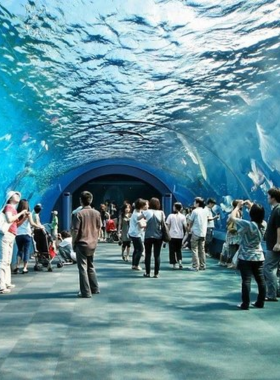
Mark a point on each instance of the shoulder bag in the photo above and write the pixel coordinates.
(165, 231)
(235, 259)
(4, 225)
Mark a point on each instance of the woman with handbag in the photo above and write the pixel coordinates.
(153, 236)
(7, 239)
(250, 252)
(136, 229)
(177, 225)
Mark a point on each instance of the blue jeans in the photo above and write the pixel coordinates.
(138, 250)
(271, 263)
(247, 270)
(23, 244)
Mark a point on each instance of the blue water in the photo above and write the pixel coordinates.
(206, 72)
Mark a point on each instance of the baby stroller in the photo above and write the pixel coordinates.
(111, 231)
(45, 253)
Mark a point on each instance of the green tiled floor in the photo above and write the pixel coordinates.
(182, 326)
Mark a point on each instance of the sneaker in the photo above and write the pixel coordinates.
(80, 295)
(180, 266)
(230, 266)
(137, 268)
(146, 275)
(4, 291)
(192, 269)
(15, 271)
(24, 271)
(267, 299)
(11, 286)
(242, 307)
(255, 304)
(156, 276)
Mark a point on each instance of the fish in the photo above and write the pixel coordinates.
(124, 132)
(269, 148)
(6, 137)
(193, 154)
(25, 137)
(226, 205)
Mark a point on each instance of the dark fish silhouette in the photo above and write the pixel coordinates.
(123, 132)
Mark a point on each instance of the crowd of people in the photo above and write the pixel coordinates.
(17, 226)
(144, 226)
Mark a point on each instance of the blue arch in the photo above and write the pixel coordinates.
(73, 179)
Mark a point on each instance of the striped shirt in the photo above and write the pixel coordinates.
(251, 235)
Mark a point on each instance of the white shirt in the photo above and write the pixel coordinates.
(211, 223)
(134, 227)
(36, 218)
(176, 223)
(199, 219)
(24, 228)
(65, 242)
(68, 242)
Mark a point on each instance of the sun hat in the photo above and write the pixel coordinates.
(11, 193)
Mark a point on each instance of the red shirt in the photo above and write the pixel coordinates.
(13, 211)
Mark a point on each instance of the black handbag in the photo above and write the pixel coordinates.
(165, 231)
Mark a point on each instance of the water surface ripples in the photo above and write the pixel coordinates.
(206, 72)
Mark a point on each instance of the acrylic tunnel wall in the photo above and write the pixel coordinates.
(187, 92)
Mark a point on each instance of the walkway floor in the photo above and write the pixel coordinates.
(181, 326)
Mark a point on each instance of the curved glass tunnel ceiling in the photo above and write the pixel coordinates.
(186, 89)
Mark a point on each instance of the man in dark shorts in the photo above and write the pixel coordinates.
(85, 231)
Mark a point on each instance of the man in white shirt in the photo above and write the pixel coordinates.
(65, 247)
(198, 227)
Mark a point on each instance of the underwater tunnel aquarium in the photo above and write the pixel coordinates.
(183, 95)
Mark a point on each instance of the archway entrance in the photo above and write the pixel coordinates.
(116, 188)
(119, 181)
